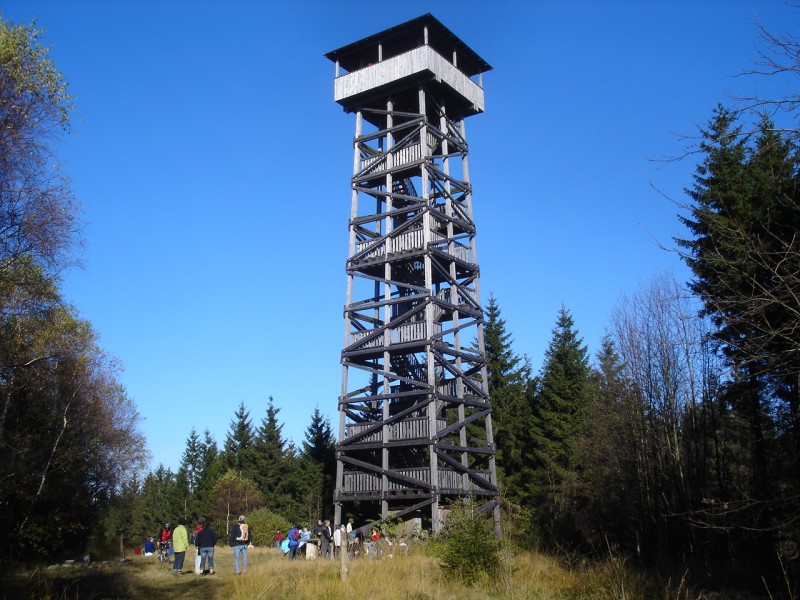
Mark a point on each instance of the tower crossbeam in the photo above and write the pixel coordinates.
(415, 428)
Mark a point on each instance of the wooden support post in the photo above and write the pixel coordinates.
(344, 558)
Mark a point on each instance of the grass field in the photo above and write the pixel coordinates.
(526, 576)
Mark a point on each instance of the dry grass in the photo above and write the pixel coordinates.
(413, 577)
(526, 576)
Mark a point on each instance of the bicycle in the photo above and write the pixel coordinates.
(163, 552)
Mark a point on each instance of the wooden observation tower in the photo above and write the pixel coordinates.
(415, 429)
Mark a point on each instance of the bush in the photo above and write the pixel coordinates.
(469, 550)
(264, 522)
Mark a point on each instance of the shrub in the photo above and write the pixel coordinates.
(264, 523)
(469, 550)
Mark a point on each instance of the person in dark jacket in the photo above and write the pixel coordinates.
(326, 535)
(201, 522)
(205, 540)
(240, 538)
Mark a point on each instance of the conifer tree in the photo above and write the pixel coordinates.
(239, 444)
(509, 377)
(191, 461)
(212, 467)
(604, 452)
(302, 501)
(158, 502)
(319, 450)
(273, 468)
(187, 477)
(559, 418)
(744, 253)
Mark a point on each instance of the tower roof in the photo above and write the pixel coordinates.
(407, 36)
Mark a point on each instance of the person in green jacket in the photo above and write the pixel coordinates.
(180, 543)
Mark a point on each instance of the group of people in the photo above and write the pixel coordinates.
(322, 541)
(299, 541)
(326, 542)
(204, 538)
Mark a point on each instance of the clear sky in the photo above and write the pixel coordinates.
(213, 169)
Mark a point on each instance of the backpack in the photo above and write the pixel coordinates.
(292, 536)
(245, 533)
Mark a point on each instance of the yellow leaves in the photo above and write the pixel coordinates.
(28, 73)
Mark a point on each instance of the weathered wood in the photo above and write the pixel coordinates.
(359, 482)
(423, 61)
(413, 360)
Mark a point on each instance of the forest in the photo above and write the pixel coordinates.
(675, 444)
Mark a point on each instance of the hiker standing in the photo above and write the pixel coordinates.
(239, 540)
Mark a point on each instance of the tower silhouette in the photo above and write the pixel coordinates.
(415, 428)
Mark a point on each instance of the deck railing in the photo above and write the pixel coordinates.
(410, 241)
(407, 332)
(403, 155)
(359, 481)
(451, 388)
(404, 430)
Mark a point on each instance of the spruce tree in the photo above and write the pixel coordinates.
(560, 407)
(603, 453)
(319, 450)
(509, 377)
(158, 502)
(271, 460)
(191, 460)
(239, 442)
(303, 487)
(187, 477)
(212, 467)
(744, 253)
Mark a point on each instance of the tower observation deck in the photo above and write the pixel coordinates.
(415, 428)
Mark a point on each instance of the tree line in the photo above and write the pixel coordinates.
(255, 469)
(680, 442)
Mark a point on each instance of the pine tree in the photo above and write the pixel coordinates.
(319, 449)
(511, 411)
(271, 460)
(745, 257)
(239, 444)
(302, 484)
(187, 477)
(158, 502)
(560, 409)
(212, 467)
(744, 249)
(191, 461)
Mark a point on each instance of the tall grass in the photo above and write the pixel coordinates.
(416, 576)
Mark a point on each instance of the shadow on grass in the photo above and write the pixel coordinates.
(96, 582)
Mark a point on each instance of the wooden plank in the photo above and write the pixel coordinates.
(388, 472)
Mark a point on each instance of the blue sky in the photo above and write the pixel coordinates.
(213, 169)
